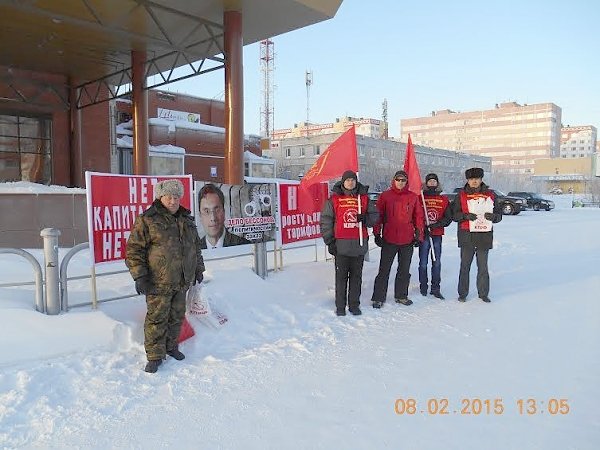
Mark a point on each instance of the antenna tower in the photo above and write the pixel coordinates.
(309, 82)
(267, 66)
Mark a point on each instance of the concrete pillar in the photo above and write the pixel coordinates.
(141, 165)
(51, 269)
(234, 98)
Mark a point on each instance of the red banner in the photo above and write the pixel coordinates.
(114, 202)
(340, 156)
(300, 222)
(411, 167)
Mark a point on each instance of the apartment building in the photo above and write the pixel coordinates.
(578, 142)
(365, 127)
(513, 135)
(378, 159)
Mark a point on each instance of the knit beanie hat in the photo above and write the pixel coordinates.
(168, 187)
(431, 176)
(348, 174)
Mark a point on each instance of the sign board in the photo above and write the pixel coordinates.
(114, 202)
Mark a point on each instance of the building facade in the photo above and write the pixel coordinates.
(578, 142)
(513, 135)
(365, 127)
(378, 159)
(570, 175)
(186, 135)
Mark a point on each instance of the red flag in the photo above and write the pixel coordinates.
(412, 168)
(339, 157)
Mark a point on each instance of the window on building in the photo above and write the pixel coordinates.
(317, 150)
(302, 152)
(25, 149)
(288, 152)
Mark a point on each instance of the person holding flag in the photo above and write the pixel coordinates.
(438, 216)
(344, 221)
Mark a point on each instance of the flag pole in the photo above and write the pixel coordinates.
(360, 228)
(427, 224)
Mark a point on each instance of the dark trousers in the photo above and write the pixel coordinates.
(436, 266)
(388, 253)
(483, 277)
(163, 323)
(348, 281)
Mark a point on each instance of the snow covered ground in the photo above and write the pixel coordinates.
(286, 373)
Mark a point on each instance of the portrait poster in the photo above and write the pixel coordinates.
(232, 215)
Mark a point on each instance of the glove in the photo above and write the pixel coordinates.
(378, 240)
(331, 248)
(361, 217)
(470, 216)
(416, 243)
(143, 285)
(489, 216)
(199, 278)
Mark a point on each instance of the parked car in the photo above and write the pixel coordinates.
(534, 201)
(373, 196)
(556, 191)
(511, 206)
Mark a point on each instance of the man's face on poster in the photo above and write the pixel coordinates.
(212, 215)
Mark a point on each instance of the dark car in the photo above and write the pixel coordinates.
(534, 201)
(510, 205)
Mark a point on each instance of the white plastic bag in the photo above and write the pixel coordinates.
(197, 306)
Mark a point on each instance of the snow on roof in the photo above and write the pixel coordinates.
(26, 187)
(251, 156)
(125, 128)
(125, 141)
(198, 126)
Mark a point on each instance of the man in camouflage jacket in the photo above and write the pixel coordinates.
(164, 258)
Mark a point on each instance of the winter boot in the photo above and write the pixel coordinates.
(424, 291)
(437, 294)
(404, 301)
(152, 365)
(175, 353)
(485, 298)
(340, 312)
(355, 311)
(377, 305)
(462, 299)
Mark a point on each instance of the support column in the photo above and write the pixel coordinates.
(141, 164)
(234, 98)
(76, 158)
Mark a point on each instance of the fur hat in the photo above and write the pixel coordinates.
(474, 172)
(168, 187)
(401, 173)
(431, 176)
(348, 174)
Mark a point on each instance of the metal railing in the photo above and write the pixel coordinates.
(39, 293)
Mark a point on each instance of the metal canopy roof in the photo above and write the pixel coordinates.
(91, 40)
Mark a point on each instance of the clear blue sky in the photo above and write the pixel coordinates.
(425, 56)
